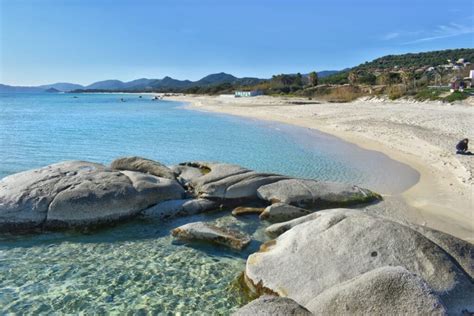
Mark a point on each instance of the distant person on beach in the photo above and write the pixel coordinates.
(461, 147)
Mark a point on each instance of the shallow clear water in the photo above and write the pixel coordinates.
(136, 266)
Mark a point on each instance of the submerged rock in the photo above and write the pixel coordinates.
(244, 210)
(143, 165)
(280, 212)
(182, 207)
(78, 193)
(200, 231)
(272, 306)
(382, 291)
(314, 194)
(336, 247)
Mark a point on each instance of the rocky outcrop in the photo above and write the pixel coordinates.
(382, 291)
(245, 210)
(280, 212)
(182, 207)
(232, 183)
(229, 182)
(78, 193)
(200, 231)
(143, 165)
(185, 173)
(312, 194)
(336, 247)
(272, 306)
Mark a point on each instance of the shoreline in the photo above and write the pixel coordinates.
(441, 199)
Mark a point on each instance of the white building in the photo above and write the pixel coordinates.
(252, 93)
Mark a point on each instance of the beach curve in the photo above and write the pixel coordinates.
(420, 135)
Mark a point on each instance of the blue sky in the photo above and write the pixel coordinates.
(85, 41)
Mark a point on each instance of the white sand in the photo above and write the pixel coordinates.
(422, 135)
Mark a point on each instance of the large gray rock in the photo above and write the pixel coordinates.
(143, 165)
(277, 229)
(78, 193)
(187, 173)
(337, 214)
(200, 231)
(226, 181)
(280, 212)
(182, 207)
(382, 291)
(461, 250)
(314, 194)
(272, 306)
(338, 246)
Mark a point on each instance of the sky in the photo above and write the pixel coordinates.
(47, 41)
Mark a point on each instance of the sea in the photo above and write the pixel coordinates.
(136, 267)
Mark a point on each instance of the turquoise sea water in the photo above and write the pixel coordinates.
(136, 266)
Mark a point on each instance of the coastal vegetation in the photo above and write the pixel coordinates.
(422, 76)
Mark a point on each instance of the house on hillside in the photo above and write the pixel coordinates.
(252, 93)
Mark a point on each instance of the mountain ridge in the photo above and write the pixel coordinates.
(142, 84)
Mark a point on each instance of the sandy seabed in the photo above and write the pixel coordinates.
(422, 135)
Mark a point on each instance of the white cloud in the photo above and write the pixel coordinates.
(444, 31)
(390, 36)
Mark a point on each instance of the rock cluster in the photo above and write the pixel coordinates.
(325, 261)
(81, 194)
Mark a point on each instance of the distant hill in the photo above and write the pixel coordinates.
(416, 60)
(403, 61)
(14, 89)
(52, 90)
(326, 73)
(62, 86)
(106, 85)
(59, 87)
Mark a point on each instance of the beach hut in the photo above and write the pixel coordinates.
(252, 93)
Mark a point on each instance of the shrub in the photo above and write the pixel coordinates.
(396, 92)
(456, 96)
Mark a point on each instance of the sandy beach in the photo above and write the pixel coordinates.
(422, 135)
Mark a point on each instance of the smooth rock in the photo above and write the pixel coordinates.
(182, 207)
(382, 291)
(272, 306)
(143, 165)
(228, 181)
(186, 174)
(280, 212)
(312, 194)
(277, 229)
(78, 193)
(461, 250)
(200, 231)
(244, 210)
(336, 247)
